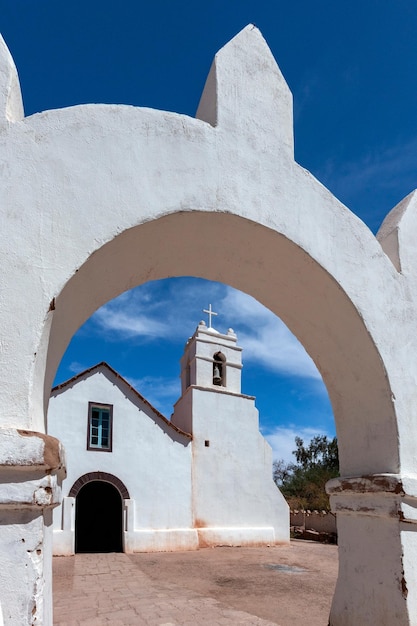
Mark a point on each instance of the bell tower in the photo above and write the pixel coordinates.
(234, 499)
(212, 360)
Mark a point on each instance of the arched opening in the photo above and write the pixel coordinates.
(98, 518)
(292, 284)
(219, 373)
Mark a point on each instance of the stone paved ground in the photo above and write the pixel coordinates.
(215, 586)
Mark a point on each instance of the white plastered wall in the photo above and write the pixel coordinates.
(235, 501)
(97, 199)
(150, 458)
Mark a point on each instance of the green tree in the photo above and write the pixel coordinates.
(303, 483)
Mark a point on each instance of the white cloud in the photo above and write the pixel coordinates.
(164, 309)
(266, 339)
(170, 310)
(276, 348)
(160, 392)
(76, 367)
(282, 440)
(124, 324)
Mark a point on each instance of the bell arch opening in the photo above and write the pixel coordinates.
(219, 374)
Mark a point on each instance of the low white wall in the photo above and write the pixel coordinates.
(320, 521)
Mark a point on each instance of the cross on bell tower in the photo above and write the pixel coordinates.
(210, 313)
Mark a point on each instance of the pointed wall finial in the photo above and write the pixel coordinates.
(11, 105)
(398, 234)
(245, 89)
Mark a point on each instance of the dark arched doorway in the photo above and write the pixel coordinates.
(98, 518)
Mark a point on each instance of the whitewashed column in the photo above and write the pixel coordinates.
(377, 537)
(32, 467)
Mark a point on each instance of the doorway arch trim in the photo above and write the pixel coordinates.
(104, 476)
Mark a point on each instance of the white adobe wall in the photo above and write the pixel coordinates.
(154, 465)
(88, 192)
(235, 500)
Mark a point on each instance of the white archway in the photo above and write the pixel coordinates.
(98, 199)
(290, 283)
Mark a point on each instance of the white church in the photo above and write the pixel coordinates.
(137, 482)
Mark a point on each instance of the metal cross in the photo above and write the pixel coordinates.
(210, 313)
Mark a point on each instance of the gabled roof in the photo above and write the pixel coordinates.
(103, 364)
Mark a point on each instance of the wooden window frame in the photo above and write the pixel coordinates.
(100, 405)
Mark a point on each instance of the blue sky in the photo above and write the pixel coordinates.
(352, 68)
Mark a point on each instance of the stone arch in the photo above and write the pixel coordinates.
(105, 476)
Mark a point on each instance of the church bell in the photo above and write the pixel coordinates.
(217, 379)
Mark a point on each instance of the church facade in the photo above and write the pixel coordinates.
(138, 482)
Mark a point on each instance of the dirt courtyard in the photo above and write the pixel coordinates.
(263, 586)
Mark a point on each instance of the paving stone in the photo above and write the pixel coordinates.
(108, 589)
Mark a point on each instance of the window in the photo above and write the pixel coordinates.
(99, 436)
